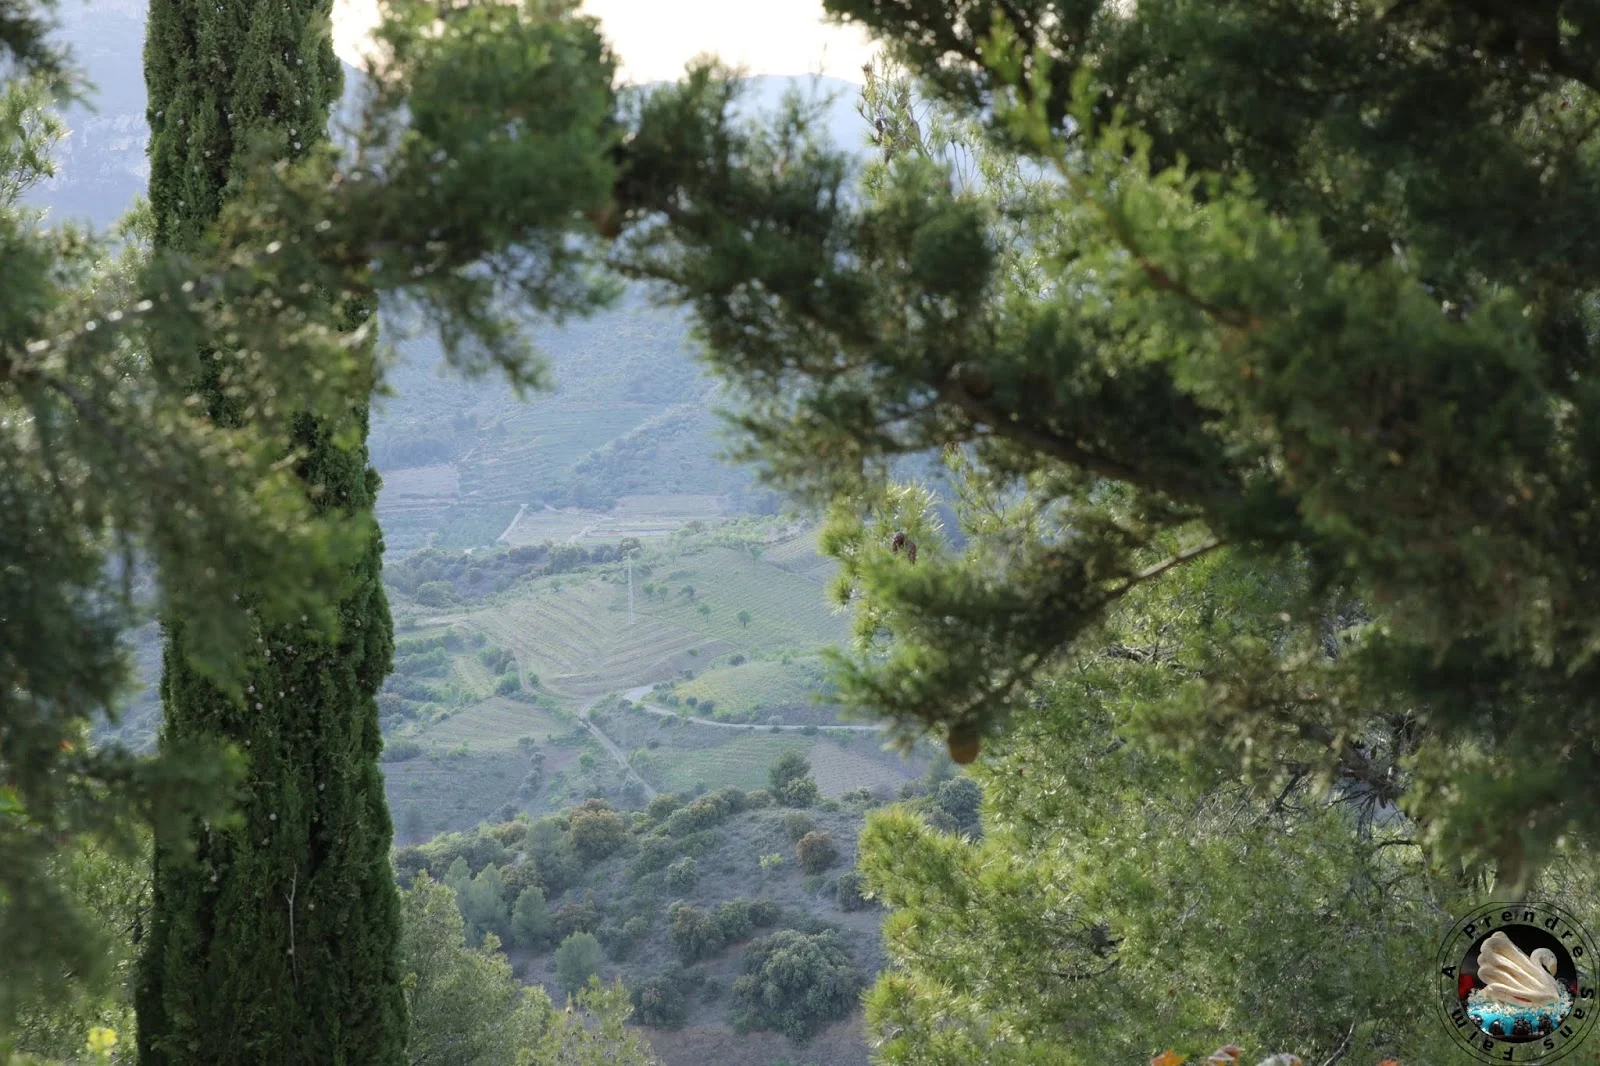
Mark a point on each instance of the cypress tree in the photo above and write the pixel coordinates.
(277, 940)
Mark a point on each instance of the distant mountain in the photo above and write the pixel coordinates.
(631, 413)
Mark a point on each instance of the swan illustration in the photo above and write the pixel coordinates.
(1511, 977)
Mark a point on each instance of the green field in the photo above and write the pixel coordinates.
(755, 691)
(493, 725)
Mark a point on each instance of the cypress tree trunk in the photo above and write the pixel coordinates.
(278, 942)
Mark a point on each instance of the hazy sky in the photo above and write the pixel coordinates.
(655, 38)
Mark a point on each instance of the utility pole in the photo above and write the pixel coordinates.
(630, 588)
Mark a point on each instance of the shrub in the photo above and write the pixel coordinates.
(736, 660)
(794, 983)
(733, 919)
(862, 795)
(509, 684)
(851, 892)
(661, 808)
(659, 1001)
(816, 852)
(577, 960)
(400, 749)
(736, 800)
(809, 729)
(407, 863)
(578, 916)
(693, 933)
(433, 593)
(801, 792)
(960, 798)
(596, 830)
(796, 825)
(707, 707)
(682, 875)
(765, 913)
(758, 799)
(790, 766)
(703, 813)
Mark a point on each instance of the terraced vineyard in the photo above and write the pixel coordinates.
(799, 555)
(493, 725)
(763, 688)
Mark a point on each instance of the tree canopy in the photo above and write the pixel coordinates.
(451, 216)
(1296, 283)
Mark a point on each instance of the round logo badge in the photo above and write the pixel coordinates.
(1517, 983)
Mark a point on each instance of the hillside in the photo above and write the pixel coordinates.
(684, 897)
(521, 684)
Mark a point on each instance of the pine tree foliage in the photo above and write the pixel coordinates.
(102, 457)
(1306, 285)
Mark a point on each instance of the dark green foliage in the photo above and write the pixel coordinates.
(801, 792)
(850, 891)
(795, 983)
(694, 934)
(816, 852)
(959, 798)
(660, 808)
(1305, 285)
(400, 749)
(577, 959)
(578, 916)
(659, 1001)
(530, 919)
(101, 449)
(508, 685)
(682, 875)
(551, 850)
(796, 825)
(240, 960)
(737, 918)
(792, 765)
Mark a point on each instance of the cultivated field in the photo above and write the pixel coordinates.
(493, 725)
(633, 516)
(755, 691)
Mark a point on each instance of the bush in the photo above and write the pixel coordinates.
(400, 749)
(960, 799)
(790, 766)
(577, 960)
(796, 825)
(596, 830)
(850, 892)
(682, 875)
(795, 983)
(659, 1001)
(434, 593)
(661, 808)
(758, 799)
(703, 813)
(693, 933)
(508, 685)
(816, 852)
(801, 792)
(809, 729)
(733, 919)
(862, 795)
(578, 916)
(765, 913)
